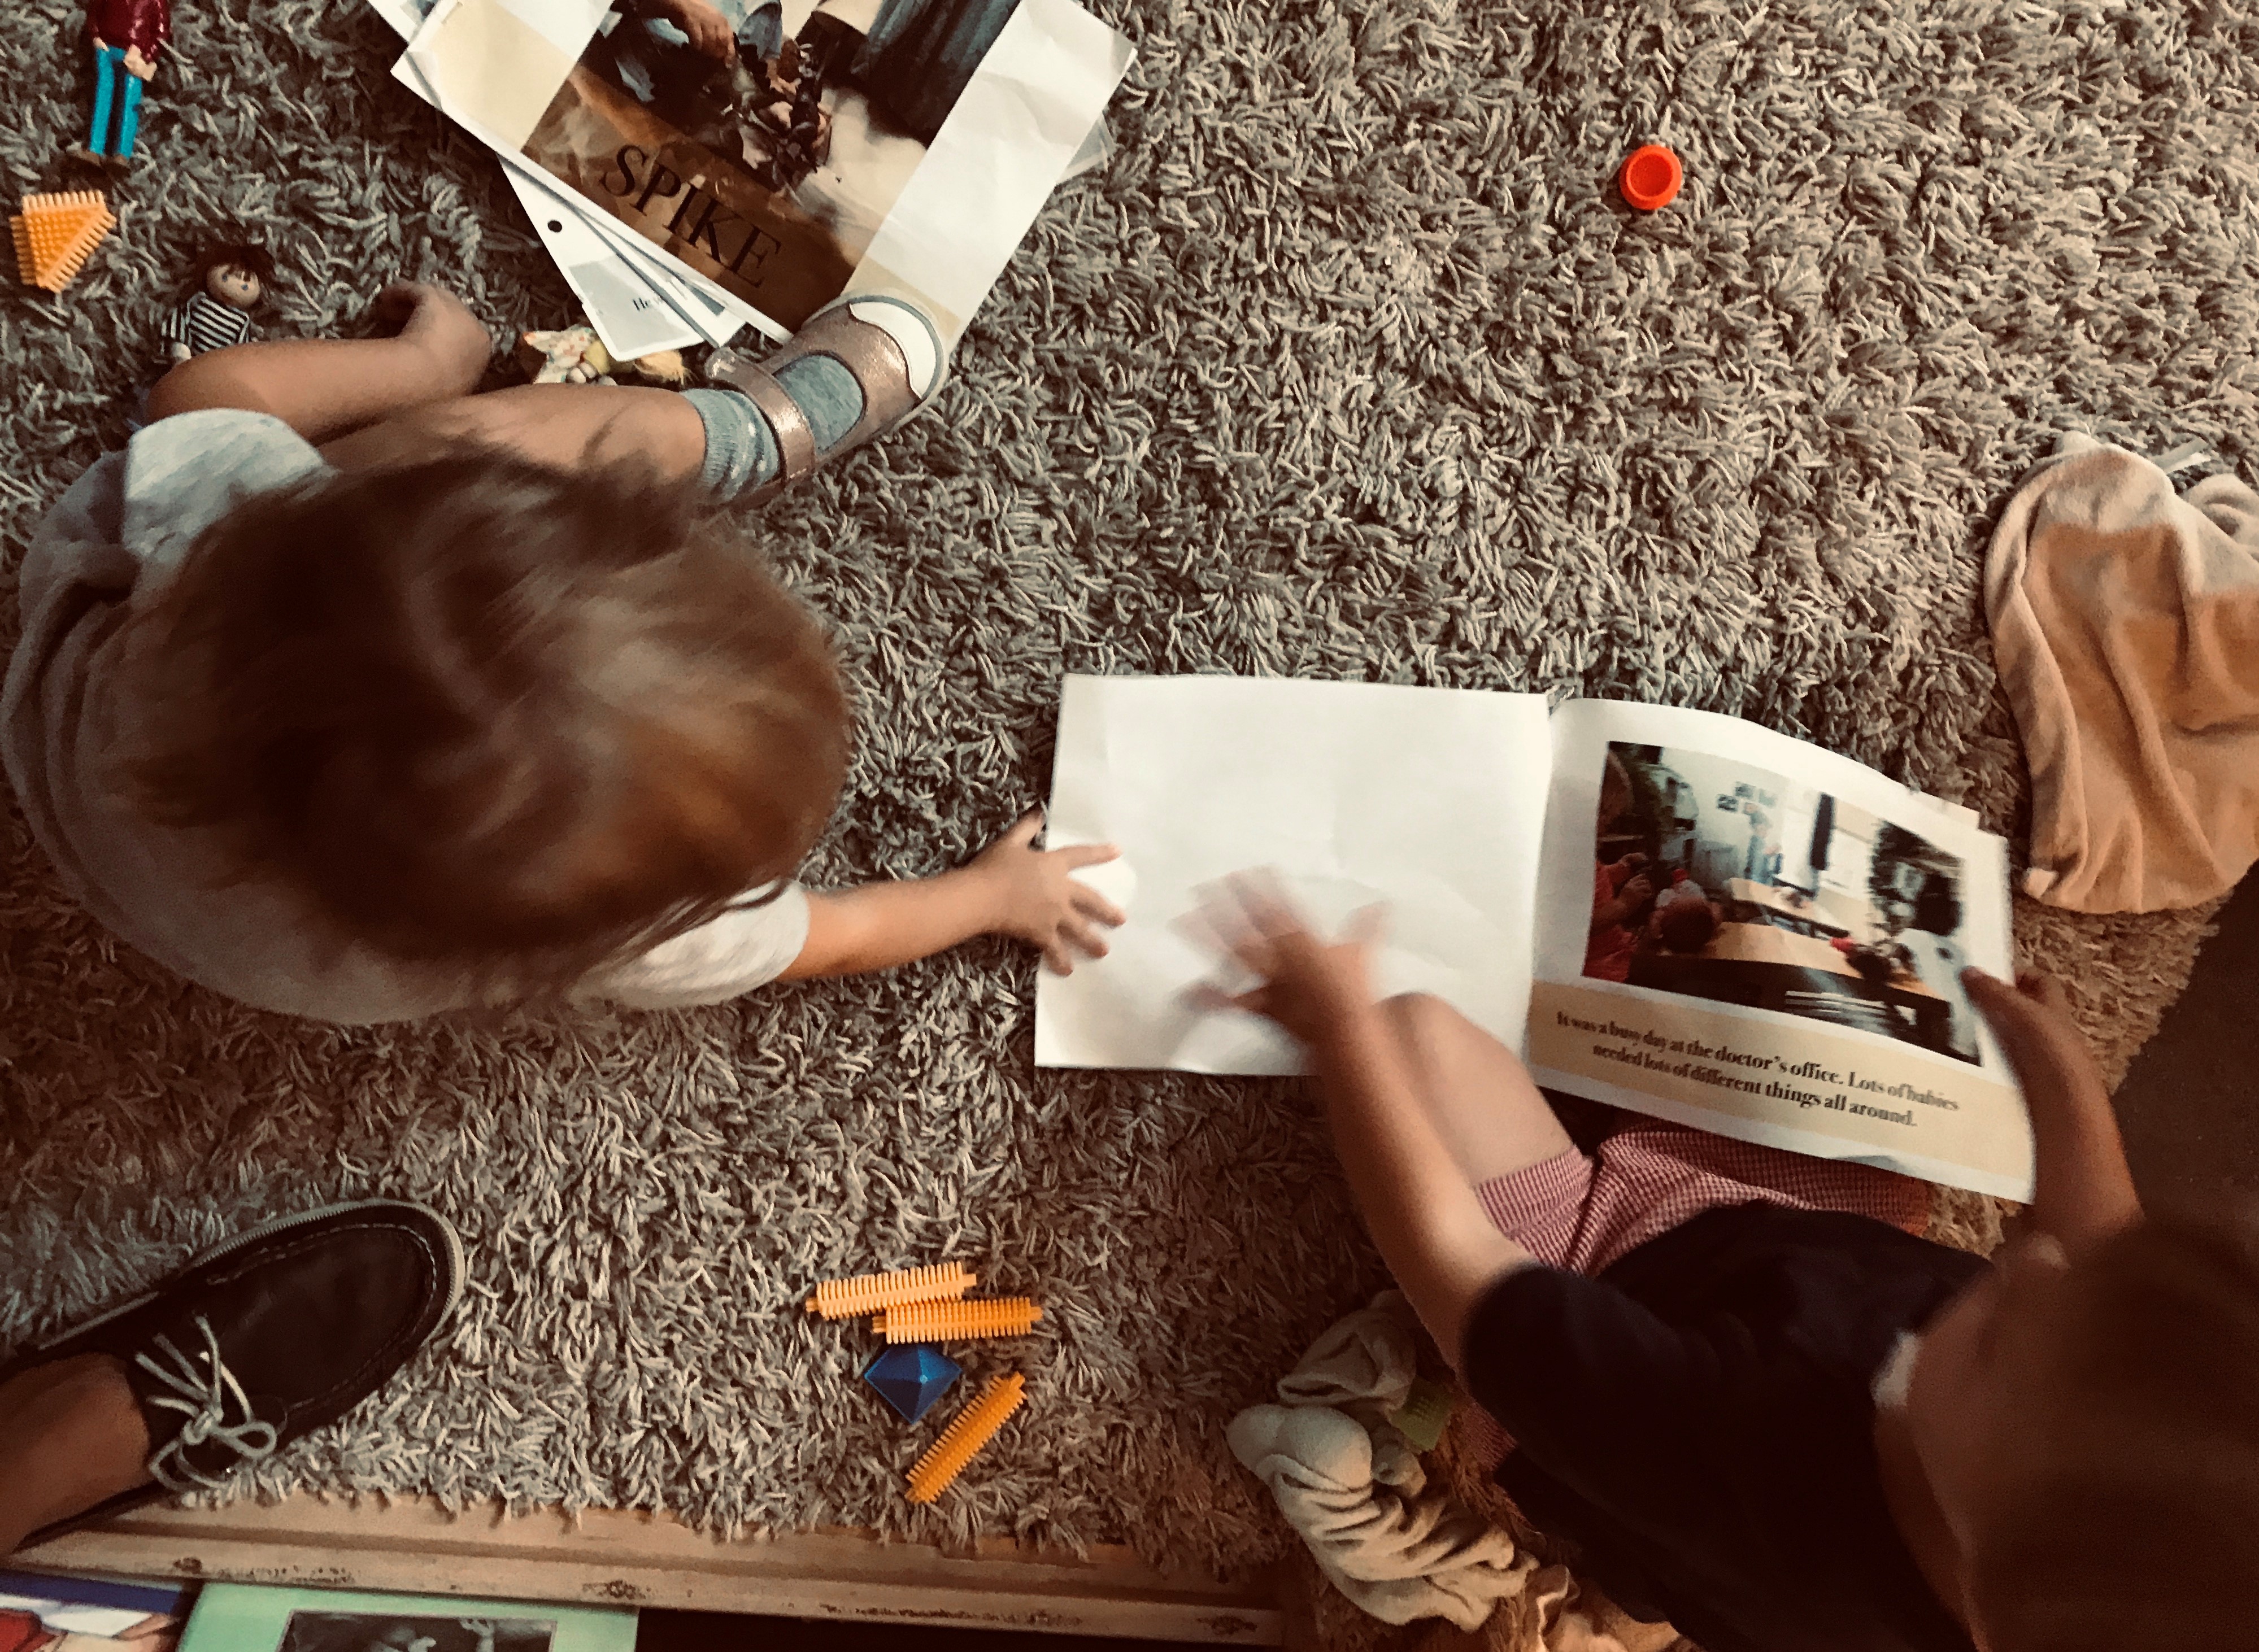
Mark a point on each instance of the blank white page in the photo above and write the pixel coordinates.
(1431, 801)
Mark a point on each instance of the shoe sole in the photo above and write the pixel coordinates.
(249, 1236)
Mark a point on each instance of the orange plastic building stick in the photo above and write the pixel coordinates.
(957, 1321)
(869, 1292)
(56, 233)
(968, 1431)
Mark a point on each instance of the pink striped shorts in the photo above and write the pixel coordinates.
(1582, 1213)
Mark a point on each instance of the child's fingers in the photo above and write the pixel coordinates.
(1368, 925)
(1087, 855)
(1988, 992)
(397, 302)
(1258, 1002)
(1220, 923)
(1084, 938)
(1208, 996)
(1264, 900)
(1091, 904)
(1024, 828)
(1056, 959)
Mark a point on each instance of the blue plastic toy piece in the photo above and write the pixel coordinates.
(911, 1377)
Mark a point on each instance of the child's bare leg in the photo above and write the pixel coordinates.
(1478, 1096)
(71, 1437)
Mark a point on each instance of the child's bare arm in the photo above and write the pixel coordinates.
(1417, 1201)
(324, 387)
(2083, 1192)
(1010, 888)
(564, 425)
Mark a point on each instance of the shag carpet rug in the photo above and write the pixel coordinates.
(1349, 365)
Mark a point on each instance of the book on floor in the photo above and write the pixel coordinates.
(42, 1610)
(871, 146)
(1675, 912)
(253, 1618)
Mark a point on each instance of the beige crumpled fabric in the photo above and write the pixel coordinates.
(1354, 1489)
(2126, 625)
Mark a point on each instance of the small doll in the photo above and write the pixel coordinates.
(575, 355)
(790, 110)
(125, 34)
(230, 281)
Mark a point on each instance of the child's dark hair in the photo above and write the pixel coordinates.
(488, 714)
(1687, 926)
(2142, 1525)
(245, 255)
(1937, 908)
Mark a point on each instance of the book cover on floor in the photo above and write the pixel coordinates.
(250, 1617)
(54, 1612)
(1675, 912)
(891, 146)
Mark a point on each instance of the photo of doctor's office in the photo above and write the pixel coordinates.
(1722, 881)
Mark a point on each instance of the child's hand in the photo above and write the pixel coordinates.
(708, 29)
(1311, 987)
(2032, 1020)
(441, 327)
(1033, 897)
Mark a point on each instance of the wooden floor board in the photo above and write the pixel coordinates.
(629, 1559)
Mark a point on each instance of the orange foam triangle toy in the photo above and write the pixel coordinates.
(56, 234)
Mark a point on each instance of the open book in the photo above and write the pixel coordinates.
(1672, 911)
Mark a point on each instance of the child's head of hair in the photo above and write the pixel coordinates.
(487, 714)
(2091, 1431)
(1686, 925)
(1937, 905)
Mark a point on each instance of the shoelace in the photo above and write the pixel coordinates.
(202, 1397)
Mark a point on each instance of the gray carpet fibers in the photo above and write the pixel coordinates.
(1349, 365)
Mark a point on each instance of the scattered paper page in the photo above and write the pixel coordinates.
(1037, 102)
(903, 147)
(1428, 800)
(633, 313)
(628, 316)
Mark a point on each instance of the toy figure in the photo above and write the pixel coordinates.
(790, 112)
(230, 281)
(127, 33)
(575, 355)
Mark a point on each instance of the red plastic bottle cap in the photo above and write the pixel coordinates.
(1651, 177)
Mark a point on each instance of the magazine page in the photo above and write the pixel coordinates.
(1747, 934)
(253, 1618)
(1429, 801)
(635, 310)
(57, 1613)
(924, 133)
